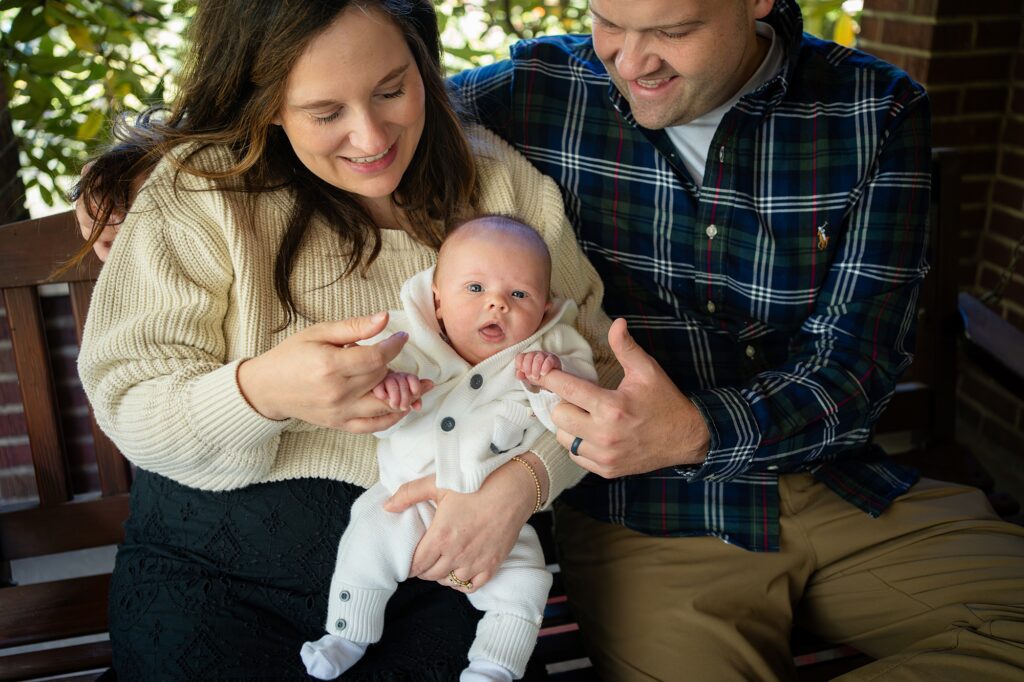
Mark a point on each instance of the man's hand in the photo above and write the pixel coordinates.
(643, 425)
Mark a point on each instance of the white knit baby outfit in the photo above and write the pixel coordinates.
(474, 420)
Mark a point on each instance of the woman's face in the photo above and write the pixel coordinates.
(354, 105)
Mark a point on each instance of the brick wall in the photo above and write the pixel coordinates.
(970, 56)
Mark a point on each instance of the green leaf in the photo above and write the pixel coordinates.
(43, 64)
(13, 4)
(46, 194)
(28, 25)
(58, 16)
(467, 53)
(91, 126)
(30, 112)
(157, 96)
(118, 37)
(82, 38)
(38, 162)
(110, 17)
(42, 89)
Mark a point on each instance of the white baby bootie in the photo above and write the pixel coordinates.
(330, 656)
(485, 671)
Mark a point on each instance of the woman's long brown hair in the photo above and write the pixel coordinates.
(239, 57)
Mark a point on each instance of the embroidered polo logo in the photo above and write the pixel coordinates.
(823, 236)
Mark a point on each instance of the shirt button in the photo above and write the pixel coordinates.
(340, 624)
(447, 424)
(476, 381)
(711, 231)
(750, 352)
(344, 596)
(711, 307)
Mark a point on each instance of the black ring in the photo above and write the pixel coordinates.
(574, 448)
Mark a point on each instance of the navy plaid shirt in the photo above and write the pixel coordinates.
(780, 297)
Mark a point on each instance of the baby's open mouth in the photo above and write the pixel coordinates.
(492, 332)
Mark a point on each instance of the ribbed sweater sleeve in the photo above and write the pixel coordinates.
(153, 358)
(513, 185)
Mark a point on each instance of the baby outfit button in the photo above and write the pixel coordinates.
(344, 596)
(476, 381)
(447, 424)
(340, 624)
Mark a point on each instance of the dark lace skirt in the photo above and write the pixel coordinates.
(220, 586)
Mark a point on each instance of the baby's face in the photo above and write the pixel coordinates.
(490, 292)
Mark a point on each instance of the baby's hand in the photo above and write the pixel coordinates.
(402, 391)
(531, 366)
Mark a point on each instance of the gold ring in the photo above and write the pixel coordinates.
(455, 580)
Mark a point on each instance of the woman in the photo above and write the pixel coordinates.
(310, 164)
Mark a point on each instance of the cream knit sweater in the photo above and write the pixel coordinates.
(188, 293)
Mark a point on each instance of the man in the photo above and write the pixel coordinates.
(755, 201)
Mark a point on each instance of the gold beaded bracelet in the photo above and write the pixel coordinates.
(536, 480)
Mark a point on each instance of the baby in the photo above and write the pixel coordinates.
(481, 323)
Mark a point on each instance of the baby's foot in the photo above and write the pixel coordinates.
(330, 656)
(480, 670)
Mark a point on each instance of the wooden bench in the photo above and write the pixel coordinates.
(48, 612)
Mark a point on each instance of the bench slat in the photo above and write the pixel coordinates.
(32, 250)
(54, 610)
(55, 661)
(49, 530)
(39, 398)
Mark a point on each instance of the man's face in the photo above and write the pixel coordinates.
(676, 60)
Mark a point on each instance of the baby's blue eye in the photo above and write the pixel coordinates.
(518, 294)
(475, 288)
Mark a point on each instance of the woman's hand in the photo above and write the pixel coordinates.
(320, 375)
(472, 534)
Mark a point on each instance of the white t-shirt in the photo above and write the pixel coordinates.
(693, 140)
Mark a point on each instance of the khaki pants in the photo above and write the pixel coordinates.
(934, 589)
